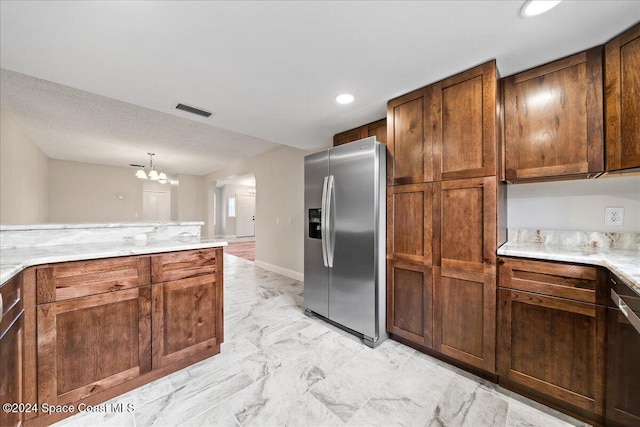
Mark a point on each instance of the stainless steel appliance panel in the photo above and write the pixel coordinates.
(316, 274)
(352, 235)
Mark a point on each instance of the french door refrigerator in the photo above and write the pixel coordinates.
(345, 232)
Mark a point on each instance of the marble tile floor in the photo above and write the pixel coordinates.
(278, 367)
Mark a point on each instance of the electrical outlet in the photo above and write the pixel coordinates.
(613, 216)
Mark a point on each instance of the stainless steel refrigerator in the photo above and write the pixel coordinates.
(344, 249)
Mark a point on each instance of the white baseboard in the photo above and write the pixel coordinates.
(280, 270)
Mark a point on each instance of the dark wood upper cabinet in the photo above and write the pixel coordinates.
(622, 108)
(349, 136)
(465, 124)
(409, 141)
(553, 119)
(377, 129)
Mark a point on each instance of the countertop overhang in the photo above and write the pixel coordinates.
(13, 261)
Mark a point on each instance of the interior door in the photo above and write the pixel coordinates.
(156, 206)
(245, 216)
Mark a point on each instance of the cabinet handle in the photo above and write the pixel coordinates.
(1, 307)
(624, 309)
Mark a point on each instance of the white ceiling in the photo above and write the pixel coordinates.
(269, 70)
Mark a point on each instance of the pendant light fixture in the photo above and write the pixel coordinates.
(153, 174)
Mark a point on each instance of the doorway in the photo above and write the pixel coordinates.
(156, 206)
(245, 216)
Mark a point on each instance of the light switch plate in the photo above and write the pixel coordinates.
(613, 216)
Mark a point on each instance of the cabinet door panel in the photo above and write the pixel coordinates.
(409, 298)
(90, 344)
(11, 362)
(464, 326)
(185, 314)
(567, 339)
(553, 118)
(466, 210)
(622, 82)
(465, 124)
(76, 279)
(409, 223)
(184, 264)
(409, 138)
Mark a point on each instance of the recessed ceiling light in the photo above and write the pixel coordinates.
(345, 98)
(537, 7)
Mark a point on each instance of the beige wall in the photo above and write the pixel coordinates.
(85, 192)
(279, 197)
(189, 198)
(23, 176)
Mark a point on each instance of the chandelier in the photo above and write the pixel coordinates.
(153, 174)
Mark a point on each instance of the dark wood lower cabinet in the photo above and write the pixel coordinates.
(552, 345)
(410, 301)
(104, 327)
(185, 319)
(91, 344)
(464, 321)
(12, 348)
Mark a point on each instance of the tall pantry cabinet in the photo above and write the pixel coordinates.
(443, 217)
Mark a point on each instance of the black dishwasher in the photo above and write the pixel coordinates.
(623, 356)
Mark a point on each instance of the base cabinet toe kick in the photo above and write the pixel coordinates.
(83, 332)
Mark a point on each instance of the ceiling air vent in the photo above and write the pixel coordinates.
(193, 110)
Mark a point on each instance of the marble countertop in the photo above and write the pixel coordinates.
(75, 225)
(623, 263)
(13, 261)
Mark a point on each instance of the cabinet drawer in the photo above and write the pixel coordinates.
(58, 282)
(569, 281)
(184, 264)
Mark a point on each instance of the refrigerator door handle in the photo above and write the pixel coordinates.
(324, 223)
(329, 231)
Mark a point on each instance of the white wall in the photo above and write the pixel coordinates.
(85, 192)
(279, 196)
(574, 205)
(23, 176)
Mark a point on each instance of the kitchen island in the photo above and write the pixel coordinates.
(113, 307)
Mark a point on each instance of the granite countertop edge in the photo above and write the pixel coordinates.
(623, 263)
(13, 261)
